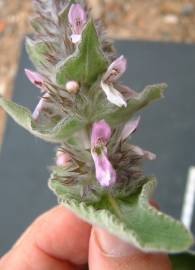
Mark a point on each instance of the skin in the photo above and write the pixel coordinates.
(58, 240)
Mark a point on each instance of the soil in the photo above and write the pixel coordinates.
(165, 20)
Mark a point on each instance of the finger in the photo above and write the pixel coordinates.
(108, 252)
(64, 236)
(56, 236)
(31, 257)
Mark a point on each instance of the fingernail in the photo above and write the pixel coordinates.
(111, 245)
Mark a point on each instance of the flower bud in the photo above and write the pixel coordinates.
(72, 87)
(62, 158)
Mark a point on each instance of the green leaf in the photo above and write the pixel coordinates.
(20, 114)
(37, 51)
(183, 261)
(87, 63)
(147, 96)
(58, 133)
(63, 14)
(131, 219)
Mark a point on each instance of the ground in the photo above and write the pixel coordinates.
(164, 20)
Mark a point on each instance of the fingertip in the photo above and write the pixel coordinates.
(61, 234)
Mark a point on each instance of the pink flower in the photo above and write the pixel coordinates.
(38, 81)
(40, 106)
(100, 131)
(129, 128)
(114, 72)
(105, 173)
(35, 78)
(77, 20)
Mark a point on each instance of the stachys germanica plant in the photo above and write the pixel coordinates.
(86, 110)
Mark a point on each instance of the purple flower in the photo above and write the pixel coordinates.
(77, 20)
(35, 78)
(105, 173)
(100, 131)
(114, 72)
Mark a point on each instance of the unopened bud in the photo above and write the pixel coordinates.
(72, 87)
(62, 158)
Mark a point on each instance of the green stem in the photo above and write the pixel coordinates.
(115, 206)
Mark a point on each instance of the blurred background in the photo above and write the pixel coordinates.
(164, 20)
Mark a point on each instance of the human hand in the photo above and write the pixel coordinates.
(58, 240)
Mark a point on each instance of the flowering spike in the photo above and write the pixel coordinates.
(129, 128)
(90, 149)
(77, 19)
(115, 70)
(35, 78)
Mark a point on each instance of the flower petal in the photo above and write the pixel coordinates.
(105, 173)
(113, 95)
(100, 130)
(75, 38)
(35, 78)
(143, 153)
(115, 70)
(77, 18)
(40, 106)
(129, 128)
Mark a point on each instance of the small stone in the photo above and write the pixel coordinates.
(171, 19)
(187, 9)
(72, 87)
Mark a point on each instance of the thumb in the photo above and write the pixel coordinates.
(108, 252)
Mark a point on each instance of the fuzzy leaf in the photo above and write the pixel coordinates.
(87, 63)
(132, 219)
(148, 95)
(22, 116)
(37, 51)
(63, 14)
(183, 261)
